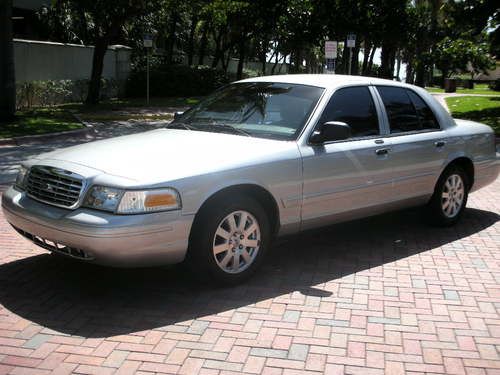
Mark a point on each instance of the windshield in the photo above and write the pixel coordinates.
(258, 109)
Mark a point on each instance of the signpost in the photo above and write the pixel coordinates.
(148, 44)
(330, 55)
(351, 43)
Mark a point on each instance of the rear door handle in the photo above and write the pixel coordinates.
(439, 143)
(382, 151)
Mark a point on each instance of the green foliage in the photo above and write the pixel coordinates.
(452, 55)
(53, 92)
(454, 35)
(176, 80)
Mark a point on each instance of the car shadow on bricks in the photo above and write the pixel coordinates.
(69, 297)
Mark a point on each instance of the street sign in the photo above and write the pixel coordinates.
(148, 40)
(351, 40)
(331, 49)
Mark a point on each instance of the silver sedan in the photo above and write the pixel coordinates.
(259, 158)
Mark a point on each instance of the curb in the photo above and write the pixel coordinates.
(78, 133)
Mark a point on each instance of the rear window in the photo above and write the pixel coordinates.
(425, 115)
(400, 110)
(406, 111)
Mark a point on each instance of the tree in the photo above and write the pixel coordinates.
(460, 55)
(7, 71)
(99, 22)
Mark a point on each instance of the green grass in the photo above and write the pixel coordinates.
(480, 88)
(39, 121)
(481, 109)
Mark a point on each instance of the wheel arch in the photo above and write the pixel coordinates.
(259, 193)
(466, 164)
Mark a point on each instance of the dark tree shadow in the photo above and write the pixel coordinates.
(92, 301)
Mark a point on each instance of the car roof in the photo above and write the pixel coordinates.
(330, 81)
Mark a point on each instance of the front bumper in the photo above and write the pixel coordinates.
(95, 236)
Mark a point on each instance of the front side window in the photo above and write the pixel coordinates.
(259, 109)
(355, 107)
(400, 110)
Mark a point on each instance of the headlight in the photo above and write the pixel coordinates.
(21, 177)
(103, 198)
(132, 202)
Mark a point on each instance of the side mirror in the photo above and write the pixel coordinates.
(177, 115)
(331, 131)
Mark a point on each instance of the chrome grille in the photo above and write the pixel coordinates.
(54, 186)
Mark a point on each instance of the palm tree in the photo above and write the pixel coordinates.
(7, 72)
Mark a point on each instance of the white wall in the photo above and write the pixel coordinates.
(41, 61)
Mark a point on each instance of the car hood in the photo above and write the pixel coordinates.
(169, 154)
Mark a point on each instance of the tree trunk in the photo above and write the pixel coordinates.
(171, 38)
(370, 60)
(218, 49)
(100, 49)
(203, 44)
(263, 56)
(387, 61)
(409, 72)
(398, 66)
(366, 56)
(192, 30)
(226, 59)
(241, 61)
(276, 62)
(355, 61)
(7, 70)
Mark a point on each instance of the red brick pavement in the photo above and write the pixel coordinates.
(383, 295)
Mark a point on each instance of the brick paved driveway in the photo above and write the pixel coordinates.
(383, 295)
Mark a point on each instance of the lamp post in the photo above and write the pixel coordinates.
(351, 43)
(148, 44)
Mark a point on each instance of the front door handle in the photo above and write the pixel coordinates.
(382, 151)
(439, 143)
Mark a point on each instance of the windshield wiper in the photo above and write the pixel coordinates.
(181, 125)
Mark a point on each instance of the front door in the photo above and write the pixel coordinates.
(349, 178)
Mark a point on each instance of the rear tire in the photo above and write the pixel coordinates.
(450, 197)
(230, 239)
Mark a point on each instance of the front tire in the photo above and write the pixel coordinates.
(450, 197)
(229, 240)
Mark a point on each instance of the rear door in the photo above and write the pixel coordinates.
(417, 143)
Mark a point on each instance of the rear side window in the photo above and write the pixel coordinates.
(355, 107)
(400, 110)
(425, 116)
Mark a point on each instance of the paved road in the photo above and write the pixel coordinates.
(386, 295)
